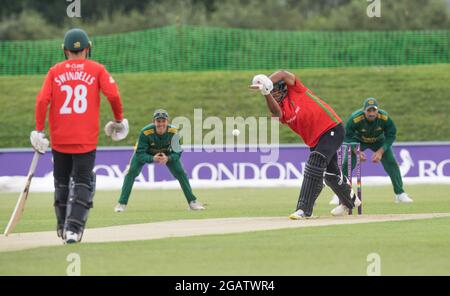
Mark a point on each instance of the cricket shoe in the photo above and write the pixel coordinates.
(71, 237)
(340, 210)
(300, 215)
(403, 198)
(334, 200)
(120, 208)
(196, 206)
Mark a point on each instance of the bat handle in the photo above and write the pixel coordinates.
(34, 162)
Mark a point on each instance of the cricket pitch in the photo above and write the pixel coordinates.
(194, 227)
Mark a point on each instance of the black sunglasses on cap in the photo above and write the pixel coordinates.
(160, 114)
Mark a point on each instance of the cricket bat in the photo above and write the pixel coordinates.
(18, 210)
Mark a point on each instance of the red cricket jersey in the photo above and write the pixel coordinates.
(306, 114)
(72, 89)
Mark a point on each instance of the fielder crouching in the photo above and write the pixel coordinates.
(158, 143)
(320, 128)
(72, 89)
(374, 129)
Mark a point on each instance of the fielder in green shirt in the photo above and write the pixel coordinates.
(158, 143)
(374, 129)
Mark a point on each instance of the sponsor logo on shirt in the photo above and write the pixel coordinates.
(369, 140)
(291, 119)
(75, 67)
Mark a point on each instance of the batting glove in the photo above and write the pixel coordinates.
(263, 83)
(117, 130)
(38, 141)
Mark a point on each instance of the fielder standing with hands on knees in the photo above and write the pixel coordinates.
(72, 90)
(320, 128)
(374, 129)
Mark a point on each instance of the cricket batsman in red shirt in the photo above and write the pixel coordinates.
(71, 92)
(320, 128)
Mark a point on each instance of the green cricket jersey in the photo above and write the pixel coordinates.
(359, 129)
(150, 144)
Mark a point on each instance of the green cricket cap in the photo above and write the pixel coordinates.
(76, 40)
(370, 103)
(160, 113)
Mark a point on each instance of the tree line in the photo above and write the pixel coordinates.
(30, 19)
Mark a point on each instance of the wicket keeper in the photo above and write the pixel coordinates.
(320, 128)
(72, 90)
(374, 129)
(158, 143)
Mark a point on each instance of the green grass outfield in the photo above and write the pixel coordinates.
(407, 247)
(416, 97)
